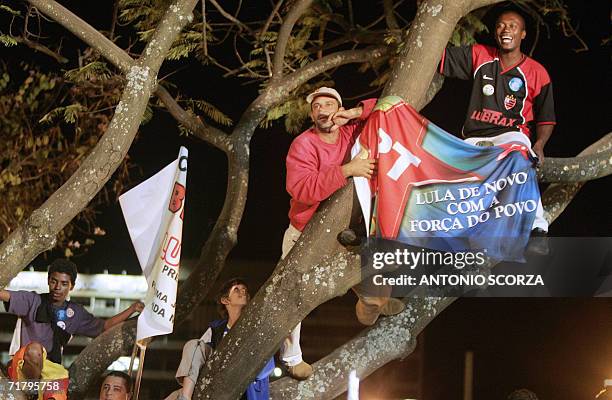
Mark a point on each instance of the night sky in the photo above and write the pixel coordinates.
(560, 348)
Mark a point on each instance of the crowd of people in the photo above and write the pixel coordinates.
(506, 83)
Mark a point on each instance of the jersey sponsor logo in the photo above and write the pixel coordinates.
(509, 101)
(488, 90)
(492, 117)
(487, 77)
(515, 84)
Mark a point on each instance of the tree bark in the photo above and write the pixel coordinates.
(391, 338)
(317, 269)
(94, 359)
(584, 167)
(423, 46)
(558, 196)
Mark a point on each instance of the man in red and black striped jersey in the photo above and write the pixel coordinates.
(511, 94)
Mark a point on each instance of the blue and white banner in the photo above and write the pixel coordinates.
(436, 191)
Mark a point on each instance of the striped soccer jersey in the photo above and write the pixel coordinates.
(503, 99)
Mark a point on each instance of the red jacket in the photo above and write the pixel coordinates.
(313, 167)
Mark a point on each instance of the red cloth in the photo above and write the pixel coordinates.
(313, 167)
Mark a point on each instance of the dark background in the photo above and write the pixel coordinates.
(559, 348)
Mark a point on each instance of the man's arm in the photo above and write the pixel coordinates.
(137, 306)
(308, 184)
(5, 295)
(356, 116)
(544, 111)
(543, 132)
(457, 62)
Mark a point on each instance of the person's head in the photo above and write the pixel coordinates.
(522, 394)
(117, 385)
(61, 278)
(33, 361)
(509, 31)
(323, 102)
(233, 294)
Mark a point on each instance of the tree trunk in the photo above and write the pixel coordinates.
(310, 274)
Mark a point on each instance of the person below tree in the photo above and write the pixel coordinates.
(116, 385)
(511, 93)
(48, 321)
(231, 299)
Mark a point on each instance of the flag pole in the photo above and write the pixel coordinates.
(143, 349)
(134, 350)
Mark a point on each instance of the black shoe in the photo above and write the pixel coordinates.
(538, 243)
(348, 238)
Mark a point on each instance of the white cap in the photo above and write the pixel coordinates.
(324, 91)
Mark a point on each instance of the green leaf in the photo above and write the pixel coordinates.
(7, 40)
(94, 70)
(213, 112)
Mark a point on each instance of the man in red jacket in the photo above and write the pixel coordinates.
(318, 164)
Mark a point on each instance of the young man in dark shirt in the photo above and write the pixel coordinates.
(50, 321)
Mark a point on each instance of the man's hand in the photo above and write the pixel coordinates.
(359, 166)
(342, 117)
(5, 295)
(539, 150)
(137, 306)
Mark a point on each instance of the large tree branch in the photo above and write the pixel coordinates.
(415, 67)
(308, 276)
(581, 168)
(94, 359)
(120, 59)
(284, 34)
(85, 32)
(199, 128)
(391, 338)
(558, 196)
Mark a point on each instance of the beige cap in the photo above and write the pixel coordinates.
(324, 91)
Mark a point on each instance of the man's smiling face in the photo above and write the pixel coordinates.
(509, 31)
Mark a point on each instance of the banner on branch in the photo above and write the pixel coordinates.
(153, 212)
(433, 190)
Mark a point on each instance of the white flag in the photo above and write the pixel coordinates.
(153, 212)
